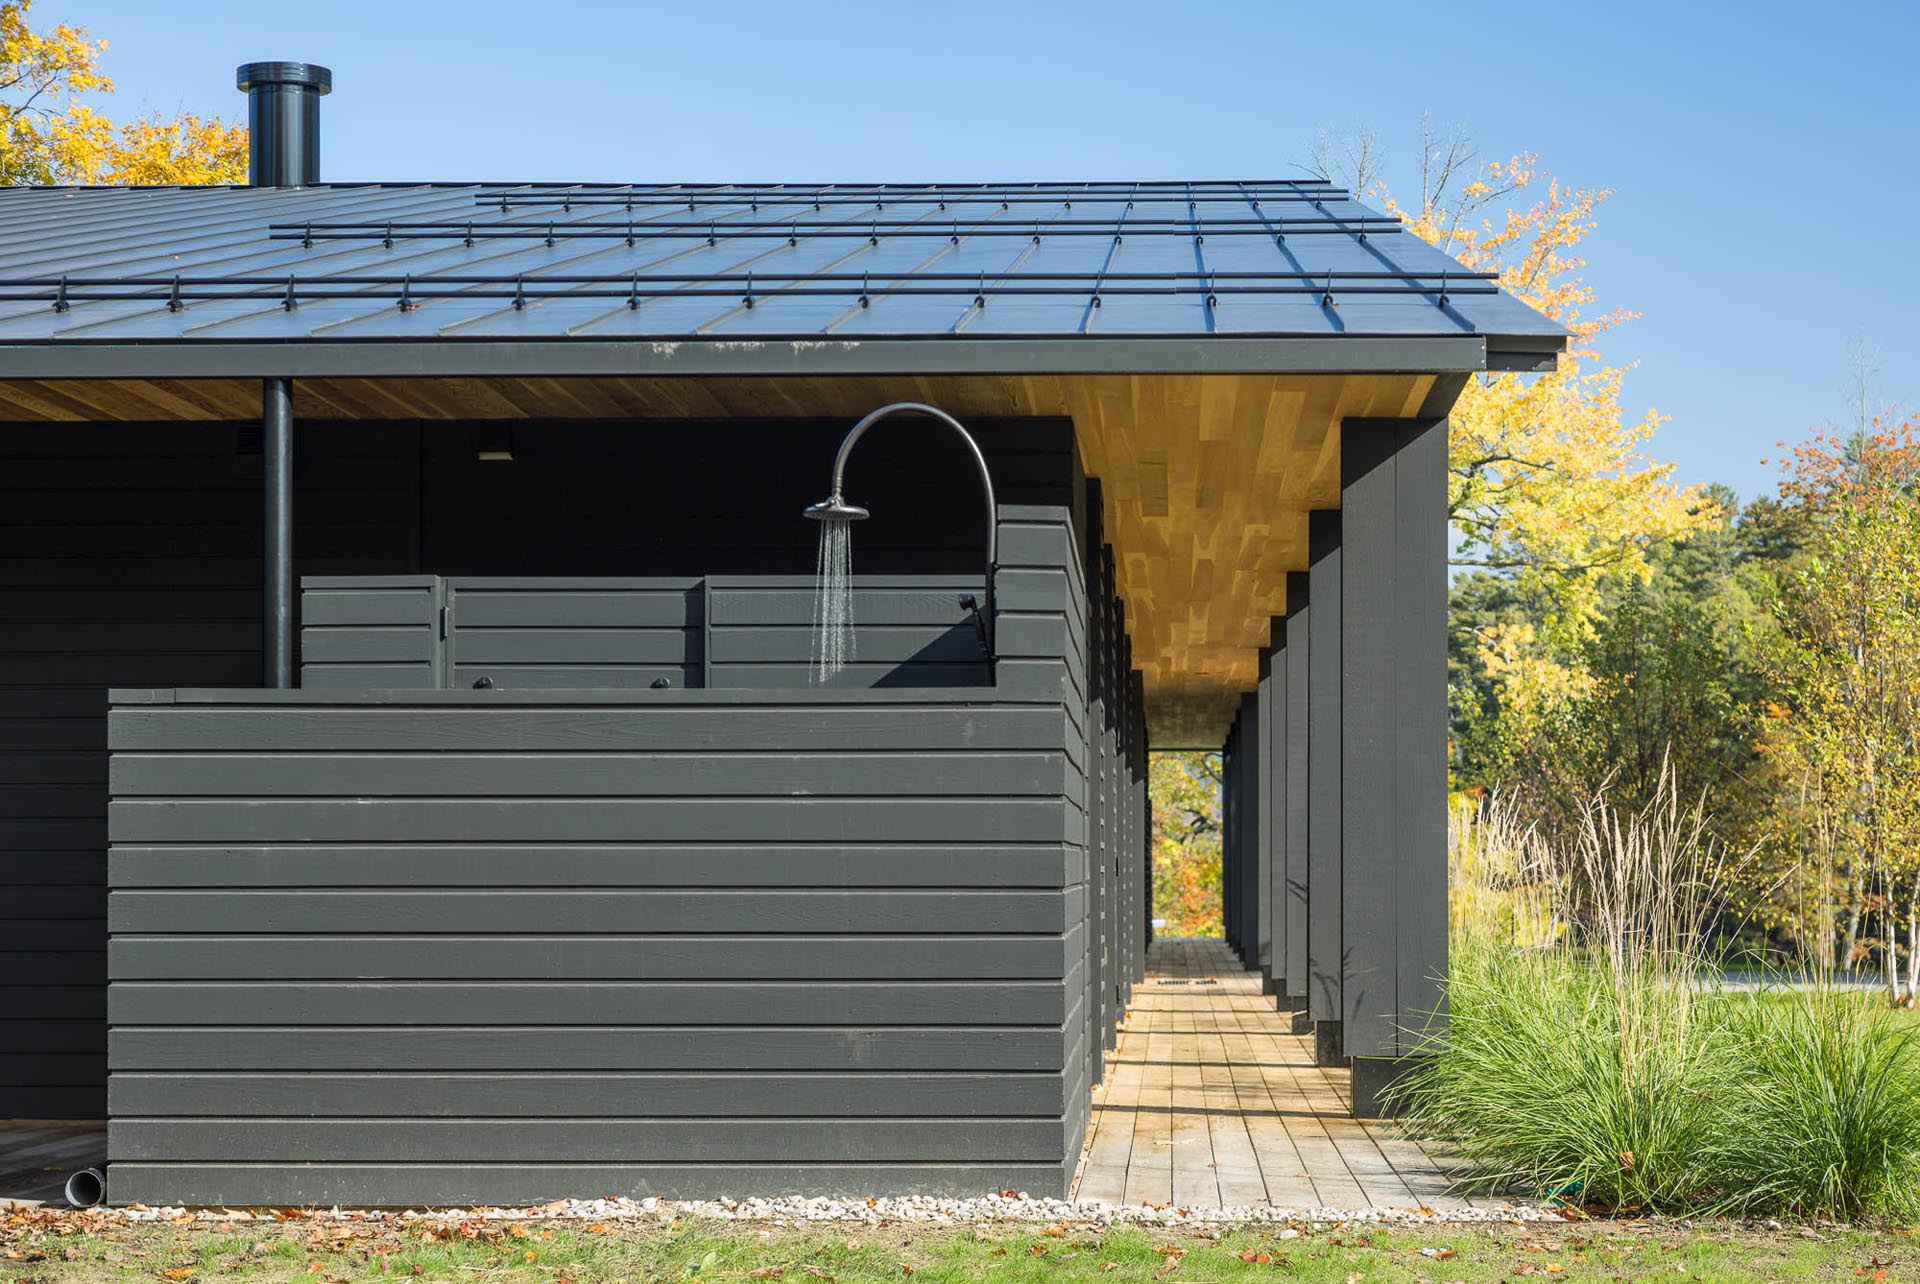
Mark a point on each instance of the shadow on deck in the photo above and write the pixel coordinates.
(1211, 1102)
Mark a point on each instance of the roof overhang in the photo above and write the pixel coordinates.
(798, 357)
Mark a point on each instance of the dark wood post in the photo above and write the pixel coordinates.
(1325, 1004)
(1252, 907)
(1393, 747)
(1273, 804)
(1297, 757)
(1228, 927)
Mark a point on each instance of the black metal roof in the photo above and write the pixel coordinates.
(1165, 276)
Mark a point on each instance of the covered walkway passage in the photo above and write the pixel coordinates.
(1211, 1101)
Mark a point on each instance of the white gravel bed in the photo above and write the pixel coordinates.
(922, 1209)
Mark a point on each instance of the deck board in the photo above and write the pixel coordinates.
(1211, 1102)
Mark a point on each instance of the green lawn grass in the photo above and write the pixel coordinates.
(47, 1248)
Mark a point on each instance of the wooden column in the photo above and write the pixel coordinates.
(1393, 743)
(1325, 1004)
(1228, 927)
(1295, 705)
(1252, 911)
(1273, 803)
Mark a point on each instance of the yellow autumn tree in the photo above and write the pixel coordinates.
(1185, 788)
(51, 133)
(1551, 483)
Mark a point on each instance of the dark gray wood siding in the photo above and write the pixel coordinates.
(1297, 754)
(1119, 893)
(130, 555)
(1394, 823)
(908, 631)
(1324, 727)
(678, 941)
(610, 633)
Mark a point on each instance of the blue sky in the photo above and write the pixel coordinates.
(1763, 155)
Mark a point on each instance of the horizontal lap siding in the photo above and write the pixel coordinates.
(909, 632)
(129, 555)
(576, 634)
(358, 632)
(422, 632)
(839, 1018)
(525, 1181)
(387, 952)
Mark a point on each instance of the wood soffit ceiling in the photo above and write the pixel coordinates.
(1207, 479)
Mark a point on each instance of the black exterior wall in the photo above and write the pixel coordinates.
(130, 555)
(888, 885)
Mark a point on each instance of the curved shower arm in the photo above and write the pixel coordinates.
(986, 483)
(973, 447)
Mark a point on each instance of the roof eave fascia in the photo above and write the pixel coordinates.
(601, 358)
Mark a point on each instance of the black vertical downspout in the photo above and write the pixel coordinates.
(276, 396)
(283, 133)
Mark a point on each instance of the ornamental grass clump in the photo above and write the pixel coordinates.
(1594, 1056)
(1582, 1059)
(1544, 1088)
(1826, 1122)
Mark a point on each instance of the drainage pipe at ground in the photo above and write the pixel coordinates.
(86, 1188)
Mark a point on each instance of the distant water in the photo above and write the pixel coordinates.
(833, 601)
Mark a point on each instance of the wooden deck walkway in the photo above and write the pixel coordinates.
(1211, 1101)
(38, 1155)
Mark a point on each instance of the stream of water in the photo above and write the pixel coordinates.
(833, 601)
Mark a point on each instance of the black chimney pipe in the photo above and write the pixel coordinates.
(283, 121)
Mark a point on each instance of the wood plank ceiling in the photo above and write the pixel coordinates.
(1207, 479)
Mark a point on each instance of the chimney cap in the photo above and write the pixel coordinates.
(311, 75)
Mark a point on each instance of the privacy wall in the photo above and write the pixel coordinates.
(416, 946)
(130, 556)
